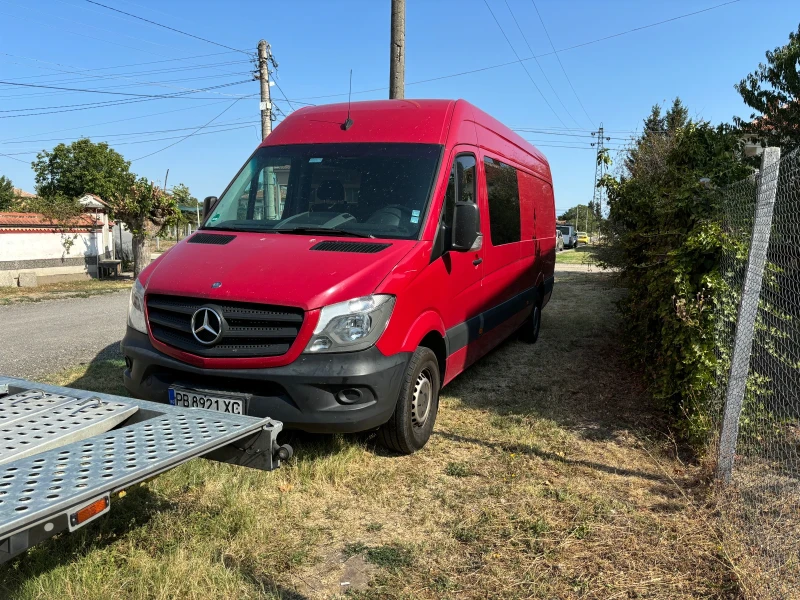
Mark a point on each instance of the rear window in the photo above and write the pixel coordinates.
(563, 229)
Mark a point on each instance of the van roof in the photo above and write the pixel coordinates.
(403, 121)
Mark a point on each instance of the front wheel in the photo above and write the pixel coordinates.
(411, 424)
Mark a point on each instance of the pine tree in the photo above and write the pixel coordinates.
(677, 116)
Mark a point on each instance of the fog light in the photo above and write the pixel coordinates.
(321, 343)
(128, 363)
(349, 396)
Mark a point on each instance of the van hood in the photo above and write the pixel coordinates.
(272, 268)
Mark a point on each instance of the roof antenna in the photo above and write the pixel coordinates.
(348, 122)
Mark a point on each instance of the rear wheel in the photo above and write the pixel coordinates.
(411, 424)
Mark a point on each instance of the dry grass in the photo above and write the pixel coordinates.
(68, 289)
(550, 475)
(760, 526)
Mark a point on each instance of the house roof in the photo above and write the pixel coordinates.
(20, 193)
(93, 201)
(36, 220)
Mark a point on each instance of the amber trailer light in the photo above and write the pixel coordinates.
(89, 512)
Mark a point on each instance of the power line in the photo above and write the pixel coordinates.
(197, 37)
(129, 133)
(277, 85)
(505, 64)
(106, 104)
(128, 143)
(191, 134)
(147, 116)
(13, 158)
(118, 67)
(519, 60)
(538, 64)
(101, 91)
(129, 85)
(563, 70)
(88, 25)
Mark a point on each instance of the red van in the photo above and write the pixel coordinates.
(361, 259)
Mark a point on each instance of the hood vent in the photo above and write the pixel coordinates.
(211, 238)
(357, 247)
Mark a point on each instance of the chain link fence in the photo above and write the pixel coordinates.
(757, 394)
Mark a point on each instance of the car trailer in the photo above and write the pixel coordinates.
(64, 453)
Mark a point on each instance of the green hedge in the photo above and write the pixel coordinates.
(666, 238)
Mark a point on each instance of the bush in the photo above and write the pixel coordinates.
(666, 239)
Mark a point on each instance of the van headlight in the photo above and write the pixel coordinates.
(136, 308)
(353, 325)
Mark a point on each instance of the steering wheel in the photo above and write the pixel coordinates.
(391, 210)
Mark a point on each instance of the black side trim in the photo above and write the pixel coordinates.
(360, 247)
(471, 329)
(211, 238)
(548, 290)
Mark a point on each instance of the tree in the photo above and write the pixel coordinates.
(648, 153)
(141, 205)
(773, 92)
(583, 217)
(184, 197)
(7, 194)
(79, 168)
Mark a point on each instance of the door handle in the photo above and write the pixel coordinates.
(477, 261)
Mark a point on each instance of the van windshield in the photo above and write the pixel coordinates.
(563, 229)
(369, 190)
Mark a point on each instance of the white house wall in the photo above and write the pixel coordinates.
(44, 254)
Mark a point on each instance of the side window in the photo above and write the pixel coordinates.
(263, 198)
(461, 186)
(503, 192)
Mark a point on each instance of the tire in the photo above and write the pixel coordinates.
(530, 330)
(408, 429)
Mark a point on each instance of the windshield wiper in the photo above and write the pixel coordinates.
(321, 231)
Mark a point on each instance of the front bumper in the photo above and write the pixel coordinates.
(322, 393)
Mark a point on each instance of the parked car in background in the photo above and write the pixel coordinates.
(360, 260)
(559, 241)
(583, 237)
(570, 235)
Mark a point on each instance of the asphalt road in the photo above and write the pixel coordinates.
(39, 338)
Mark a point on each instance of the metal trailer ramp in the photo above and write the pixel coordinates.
(65, 452)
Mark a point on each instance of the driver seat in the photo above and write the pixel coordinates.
(331, 193)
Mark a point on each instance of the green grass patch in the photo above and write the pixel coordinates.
(578, 256)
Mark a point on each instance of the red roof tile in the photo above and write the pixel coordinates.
(12, 219)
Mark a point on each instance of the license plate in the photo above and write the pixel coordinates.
(192, 399)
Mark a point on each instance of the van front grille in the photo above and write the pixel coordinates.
(248, 330)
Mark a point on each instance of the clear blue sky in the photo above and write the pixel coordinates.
(316, 42)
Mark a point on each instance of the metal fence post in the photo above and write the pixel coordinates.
(748, 310)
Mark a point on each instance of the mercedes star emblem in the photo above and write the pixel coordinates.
(206, 325)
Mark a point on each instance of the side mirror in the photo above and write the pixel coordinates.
(208, 204)
(466, 226)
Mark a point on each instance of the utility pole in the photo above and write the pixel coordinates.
(264, 58)
(599, 167)
(397, 51)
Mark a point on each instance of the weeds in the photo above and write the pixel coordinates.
(458, 469)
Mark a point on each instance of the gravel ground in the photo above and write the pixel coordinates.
(38, 338)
